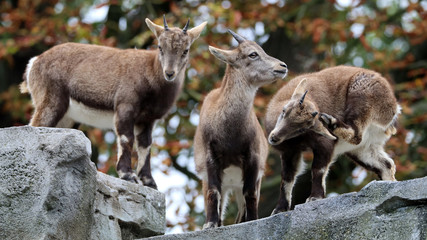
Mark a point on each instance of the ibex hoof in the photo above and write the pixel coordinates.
(149, 182)
(277, 210)
(210, 225)
(311, 199)
(131, 177)
(329, 121)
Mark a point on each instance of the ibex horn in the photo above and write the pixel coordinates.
(236, 36)
(165, 23)
(186, 26)
(302, 98)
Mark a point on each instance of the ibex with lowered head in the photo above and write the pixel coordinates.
(125, 90)
(356, 105)
(230, 148)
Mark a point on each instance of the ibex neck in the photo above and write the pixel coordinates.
(236, 91)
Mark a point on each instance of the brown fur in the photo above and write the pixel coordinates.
(136, 86)
(357, 106)
(229, 134)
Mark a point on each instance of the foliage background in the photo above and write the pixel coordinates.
(389, 36)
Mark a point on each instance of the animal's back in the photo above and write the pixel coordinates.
(91, 79)
(88, 71)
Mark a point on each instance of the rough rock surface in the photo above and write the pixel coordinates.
(47, 184)
(381, 210)
(49, 189)
(125, 210)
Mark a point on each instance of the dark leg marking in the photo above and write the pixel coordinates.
(144, 141)
(367, 167)
(213, 193)
(250, 176)
(290, 162)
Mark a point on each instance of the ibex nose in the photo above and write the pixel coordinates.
(169, 74)
(284, 65)
(273, 139)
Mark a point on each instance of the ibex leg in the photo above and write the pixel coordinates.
(291, 166)
(143, 141)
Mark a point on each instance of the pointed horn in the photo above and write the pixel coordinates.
(165, 23)
(186, 27)
(236, 36)
(302, 98)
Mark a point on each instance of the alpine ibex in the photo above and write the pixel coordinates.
(230, 148)
(356, 105)
(125, 90)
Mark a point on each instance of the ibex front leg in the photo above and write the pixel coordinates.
(250, 185)
(291, 165)
(143, 139)
(212, 191)
(319, 170)
(124, 129)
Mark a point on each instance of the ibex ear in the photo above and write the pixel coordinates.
(194, 33)
(322, 130)
(299, 90)
(226, 56)
(156, 29)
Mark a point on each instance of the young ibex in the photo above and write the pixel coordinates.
(230, 148)
(356, 105)
(125, 90)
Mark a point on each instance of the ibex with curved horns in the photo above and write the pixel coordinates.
(356, 105)
(230, 148)
(126, 90)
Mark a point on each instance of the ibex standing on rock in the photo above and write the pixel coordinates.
(125, 90)
(230, 148)
(356, 105)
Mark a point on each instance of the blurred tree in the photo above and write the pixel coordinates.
(387, 36)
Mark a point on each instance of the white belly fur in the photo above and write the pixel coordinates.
(90, 116)
(373, 135)
(232, 177)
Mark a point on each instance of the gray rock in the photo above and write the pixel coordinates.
(125, 210)
(381, 210)
(49, 189)
(47, 184)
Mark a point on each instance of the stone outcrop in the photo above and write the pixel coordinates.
(125, 210)
(49, 189)
(381, 210)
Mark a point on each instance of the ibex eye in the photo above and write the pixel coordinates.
(253, 55)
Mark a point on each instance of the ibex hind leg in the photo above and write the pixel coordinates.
(375, 159)
(49, 112)
(65, 122)
(349, 132)
(241, 206)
